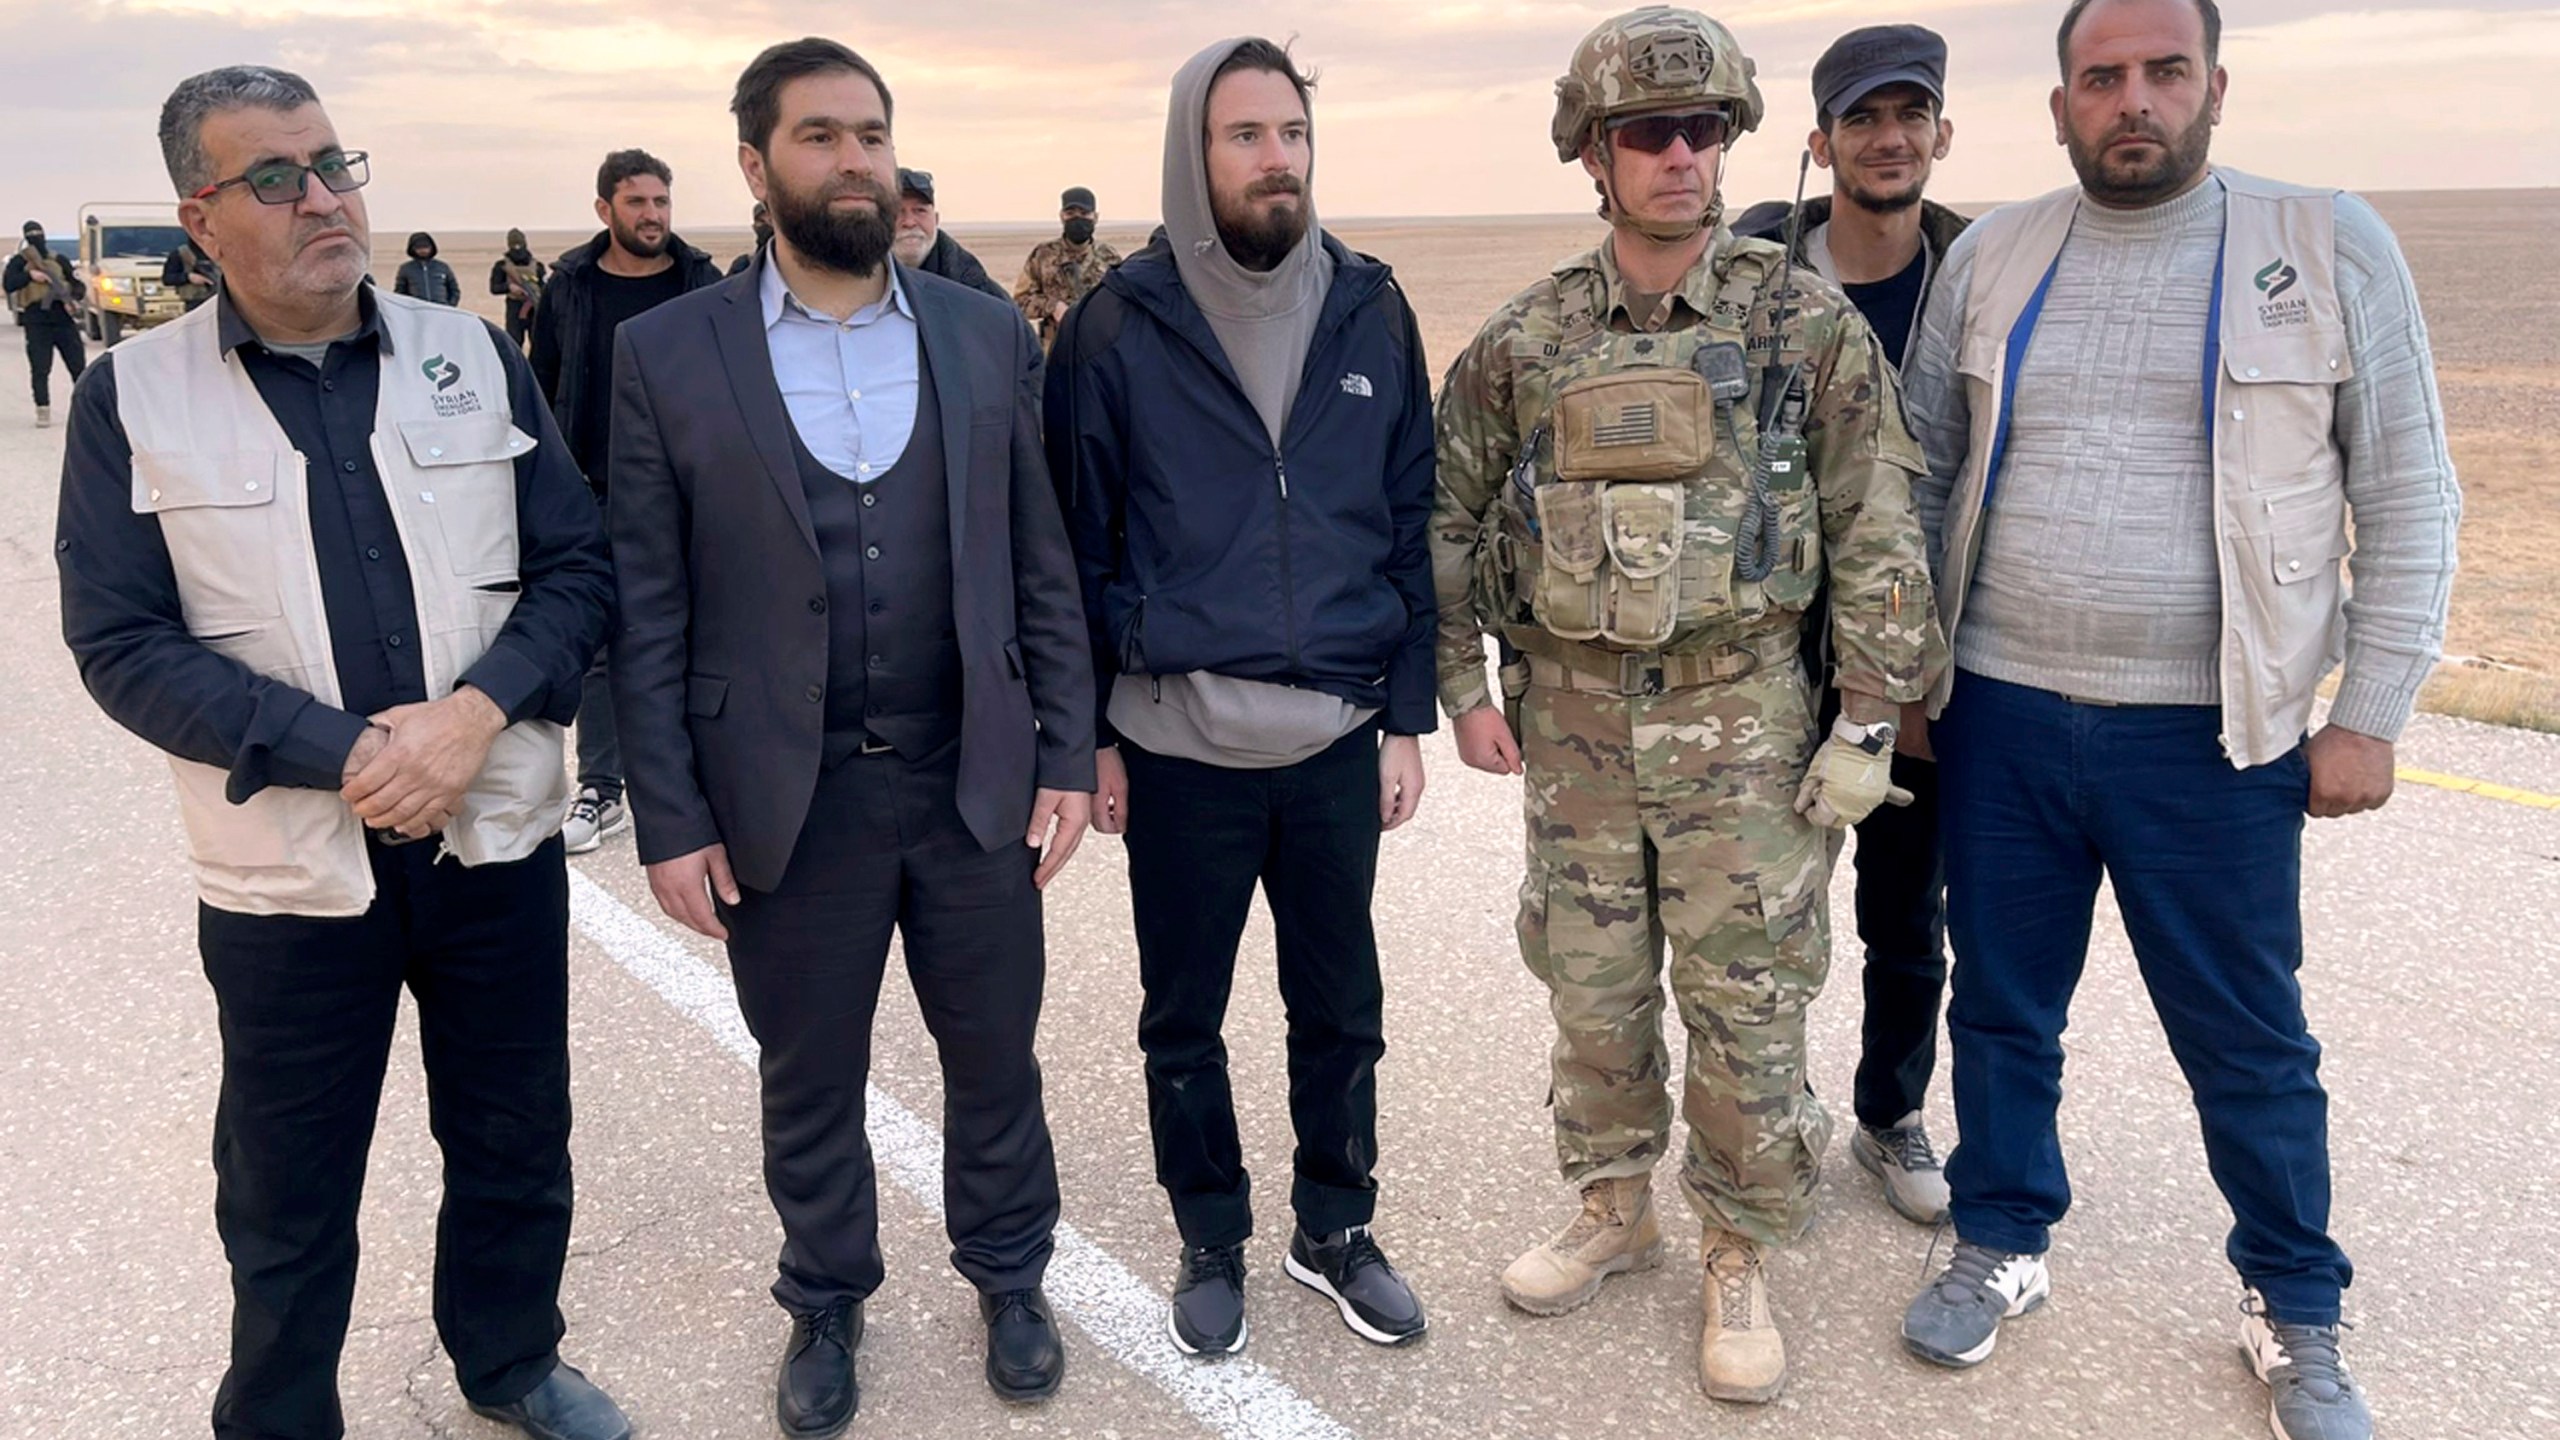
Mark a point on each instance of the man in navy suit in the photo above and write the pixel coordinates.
(855, 697)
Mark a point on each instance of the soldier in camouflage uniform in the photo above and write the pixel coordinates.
(1060, 272)
(1651, 461)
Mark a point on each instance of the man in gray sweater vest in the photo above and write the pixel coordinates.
(2151, 406)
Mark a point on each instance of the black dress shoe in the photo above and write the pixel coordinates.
(565, 1406)
(1025, 1359)
(814, 1391)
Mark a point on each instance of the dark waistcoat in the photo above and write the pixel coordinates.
(893, 664)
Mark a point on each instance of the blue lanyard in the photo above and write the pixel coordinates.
(2014, 354)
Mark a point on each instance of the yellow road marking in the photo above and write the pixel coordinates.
(2482, 788)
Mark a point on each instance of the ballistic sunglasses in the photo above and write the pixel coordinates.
(1652, 134)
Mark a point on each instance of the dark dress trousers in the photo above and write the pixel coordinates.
(307, 1005)
(856, 690)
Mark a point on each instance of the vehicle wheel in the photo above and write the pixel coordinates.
(115, 328)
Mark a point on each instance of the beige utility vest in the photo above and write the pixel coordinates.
(228, 488)
(2275, 353)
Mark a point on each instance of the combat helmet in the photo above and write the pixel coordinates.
(1656, 58)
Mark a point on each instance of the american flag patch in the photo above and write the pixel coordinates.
(1639, 424)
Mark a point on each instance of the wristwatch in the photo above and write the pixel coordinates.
(1875, 739)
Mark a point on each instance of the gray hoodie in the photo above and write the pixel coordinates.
(1264, 321)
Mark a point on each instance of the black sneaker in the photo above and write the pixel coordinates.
(1207, 1313)
(1347, 1269)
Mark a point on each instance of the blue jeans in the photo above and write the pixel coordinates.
(2042, 796)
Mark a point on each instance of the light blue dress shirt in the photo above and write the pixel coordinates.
(849, 384)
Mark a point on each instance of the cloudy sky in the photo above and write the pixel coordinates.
(487, 113)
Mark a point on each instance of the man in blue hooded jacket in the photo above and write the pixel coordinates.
(1239, 420)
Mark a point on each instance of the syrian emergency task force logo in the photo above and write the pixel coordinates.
(2276, 312)
(444, 375)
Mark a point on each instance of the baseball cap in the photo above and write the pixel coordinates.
(918, 183)
(1076, 197)
(1863, 61)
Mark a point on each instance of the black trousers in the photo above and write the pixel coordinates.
(48, 336)
(1902, 921)
(519, 324)
(1200, 838)
(885, 849)
(307, 1008)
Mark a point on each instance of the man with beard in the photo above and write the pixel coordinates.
(760, 222)
(921, 244)
(2153, 406)
(853, 668)
(1651, 461)
(1259, 588)
(1879, 98)
(46, 294)
(1058, 273)
(635, 264)
(321, 545)
(519, 277)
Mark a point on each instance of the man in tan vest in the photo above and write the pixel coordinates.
(324, 547)
(2152, 406)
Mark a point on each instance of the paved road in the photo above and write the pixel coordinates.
(2431, 975)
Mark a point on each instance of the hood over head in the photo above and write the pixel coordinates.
(416, 240)
(1220, 286)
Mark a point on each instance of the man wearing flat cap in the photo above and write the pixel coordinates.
(1879, 97)
(921, 245)
(1061, 272)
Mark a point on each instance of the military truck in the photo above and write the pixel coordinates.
(123, 247)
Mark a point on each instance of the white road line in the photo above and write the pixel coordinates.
(1119, 1312)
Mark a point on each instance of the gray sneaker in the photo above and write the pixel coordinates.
(1915, 1185)
(1956, 1321)
(591, 819)
(2310, 1395)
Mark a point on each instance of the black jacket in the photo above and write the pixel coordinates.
(430, 280)
(1199, 546)
(951, 261)
(561, 321)
(719, 664)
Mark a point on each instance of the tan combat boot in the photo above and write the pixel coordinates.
(1614, 1235)
(1742, 1356)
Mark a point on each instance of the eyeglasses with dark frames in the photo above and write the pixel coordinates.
(283, 182)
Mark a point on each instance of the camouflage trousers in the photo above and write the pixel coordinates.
(1668, 822)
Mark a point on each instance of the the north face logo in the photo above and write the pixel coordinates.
(1355, 383)
(2276, 278)
(443, 372)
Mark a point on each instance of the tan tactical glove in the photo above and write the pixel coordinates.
(1850, 776)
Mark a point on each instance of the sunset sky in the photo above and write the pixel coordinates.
(482, 114)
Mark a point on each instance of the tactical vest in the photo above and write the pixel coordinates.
(1619, 525)
(527, 277)
(47, 281)
(228, 488)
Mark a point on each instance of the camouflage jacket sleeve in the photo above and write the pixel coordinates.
(1884, 615)
(1477, 441)
(1031, 288)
